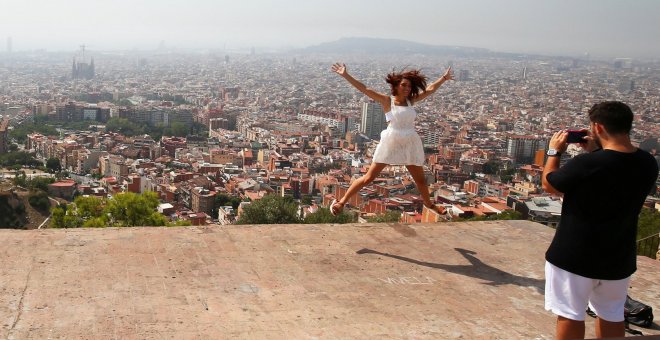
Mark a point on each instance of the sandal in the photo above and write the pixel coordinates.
(332, 207)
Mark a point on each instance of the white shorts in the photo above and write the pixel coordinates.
(568, 294)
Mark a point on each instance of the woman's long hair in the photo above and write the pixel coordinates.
(416, 78)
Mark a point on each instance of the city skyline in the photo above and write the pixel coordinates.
(601, 28)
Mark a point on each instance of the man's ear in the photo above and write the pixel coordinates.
(599, 129)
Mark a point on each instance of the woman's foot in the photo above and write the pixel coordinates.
(336, 207)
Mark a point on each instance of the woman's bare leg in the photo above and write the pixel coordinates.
(417, 173)
(372, 173)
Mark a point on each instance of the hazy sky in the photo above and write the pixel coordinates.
(626, 28)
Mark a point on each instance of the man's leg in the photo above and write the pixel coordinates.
(569, 329)
(567, 295)
(607, 301)
(608, 329)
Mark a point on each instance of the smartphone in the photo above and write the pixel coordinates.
(576, 136)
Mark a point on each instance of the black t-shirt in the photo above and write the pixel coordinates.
(603, 195)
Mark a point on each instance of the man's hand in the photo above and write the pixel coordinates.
(558, 141)
(591, 144)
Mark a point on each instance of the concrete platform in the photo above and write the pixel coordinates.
(473, 280)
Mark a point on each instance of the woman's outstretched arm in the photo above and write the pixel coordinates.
(341, 70)
(430, 89)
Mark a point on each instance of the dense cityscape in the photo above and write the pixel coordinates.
(213, 132)
(329, 170)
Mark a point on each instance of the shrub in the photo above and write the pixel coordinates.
(39, 200)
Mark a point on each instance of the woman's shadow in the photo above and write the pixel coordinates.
(476, 269)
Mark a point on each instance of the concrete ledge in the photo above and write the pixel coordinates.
(455, 280)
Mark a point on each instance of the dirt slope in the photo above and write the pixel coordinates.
(12, 197)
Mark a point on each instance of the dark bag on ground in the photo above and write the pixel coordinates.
(638, 313)
(634, 312)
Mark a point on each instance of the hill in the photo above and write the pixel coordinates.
(15, 210)
(389, 46)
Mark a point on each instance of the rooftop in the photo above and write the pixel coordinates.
(466, 280)
(64, 183)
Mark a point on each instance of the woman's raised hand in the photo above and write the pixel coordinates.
(340, 69)
(449, 75)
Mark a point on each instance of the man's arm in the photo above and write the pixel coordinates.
(557, 142)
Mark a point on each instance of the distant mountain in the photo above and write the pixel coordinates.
(388, 46)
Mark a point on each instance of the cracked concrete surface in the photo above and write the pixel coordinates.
(468, 280)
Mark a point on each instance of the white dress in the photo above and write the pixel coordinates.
(399, 143)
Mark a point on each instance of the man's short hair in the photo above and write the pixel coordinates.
(615, 116)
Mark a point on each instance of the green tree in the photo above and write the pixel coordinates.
(648, 223)
(20, 178)
(388, 216)
(40, 119)
(306, 199)
(62, 174)
(123, 210)
(96, 222)
(19, 133)
(53, 165)
(222, 200)
(505, 215)
(39, 200)
(181, 223)
(507, 175)
(123, 126)
(491, 167)
(57, 217)
(11, 209)
(508, 215)
(80, 125)
(176, 129)
(156, 132)
(39, 183)
(89, 207)
(128, 209)
(72, 221)
(199, 129)
(156, 219)
(323, 215)
(271, 209)
(19, 159)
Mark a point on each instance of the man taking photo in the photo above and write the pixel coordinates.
(593, 252)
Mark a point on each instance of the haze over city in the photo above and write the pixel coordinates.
(603, 29)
